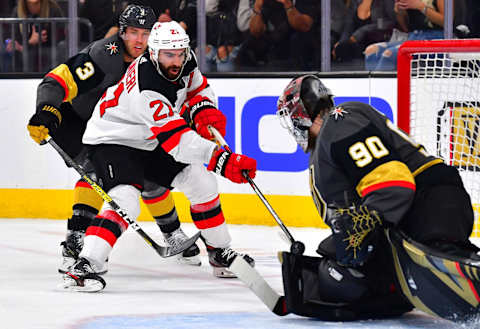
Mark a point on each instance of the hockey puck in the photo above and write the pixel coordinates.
(297, 248)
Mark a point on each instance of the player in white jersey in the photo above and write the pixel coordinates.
(140, 131)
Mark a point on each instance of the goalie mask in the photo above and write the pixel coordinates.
(301, 101)
(137, 16)
(167, 36)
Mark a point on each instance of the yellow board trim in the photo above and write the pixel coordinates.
(294, 211)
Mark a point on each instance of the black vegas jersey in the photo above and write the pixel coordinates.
(83, 78)
(362, 157)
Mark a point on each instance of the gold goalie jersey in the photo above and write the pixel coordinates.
(143, 111)
(362, 157)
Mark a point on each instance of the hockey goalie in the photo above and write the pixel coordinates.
(400, 219)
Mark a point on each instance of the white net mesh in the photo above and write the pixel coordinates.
(445, 113)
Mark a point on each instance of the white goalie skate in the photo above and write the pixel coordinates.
(191, 255)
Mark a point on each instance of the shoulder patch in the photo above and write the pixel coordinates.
(338, 112)
(112, 47)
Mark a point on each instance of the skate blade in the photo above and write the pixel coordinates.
(82, 285)
(65, 271)
(192, 261)
(222, 272)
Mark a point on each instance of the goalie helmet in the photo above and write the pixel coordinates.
(168, 35)
(137, 16)
(301, 101)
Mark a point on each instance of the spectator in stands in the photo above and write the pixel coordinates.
(5, 12)
(103, 14)
(342, 20)
(182, 11)
(375, 20)
(6, 7)
(472, 14)
(38, 36)
(422, 19)
(281, 31)
(223, 36)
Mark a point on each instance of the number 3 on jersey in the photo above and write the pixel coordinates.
(364, 152)
(86, 71)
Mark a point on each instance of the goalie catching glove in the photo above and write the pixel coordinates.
(355, 231)
(44, 123)
(232, 165)
(204, 113)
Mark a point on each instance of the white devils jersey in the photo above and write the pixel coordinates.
(142, 111)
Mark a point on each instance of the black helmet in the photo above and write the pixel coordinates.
(137, 16)
(300, 103)
(315, 96)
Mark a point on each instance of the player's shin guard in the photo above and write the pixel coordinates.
(161, 206)
(208, 217)
(86, 203)
(108, 226)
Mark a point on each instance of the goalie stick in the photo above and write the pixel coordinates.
(256, 283)
(163, 251)
(296, 247)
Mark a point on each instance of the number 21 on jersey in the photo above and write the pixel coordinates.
(162, 110)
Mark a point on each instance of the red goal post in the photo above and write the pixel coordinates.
(438, 99)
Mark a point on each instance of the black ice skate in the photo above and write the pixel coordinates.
(191, 255)
(83, 278)
(71, 248)
(222, 258)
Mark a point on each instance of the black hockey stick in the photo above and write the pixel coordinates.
(296, 247)
(163, 251)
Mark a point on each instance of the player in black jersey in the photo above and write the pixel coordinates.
(66, 98)
(400, 218)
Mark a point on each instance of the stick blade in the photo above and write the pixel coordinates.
(168, 251)
(257, 284)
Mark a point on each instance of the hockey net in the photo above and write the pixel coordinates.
(439, 104)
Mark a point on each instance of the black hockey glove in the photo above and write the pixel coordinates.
(44, 123)
(355, 231)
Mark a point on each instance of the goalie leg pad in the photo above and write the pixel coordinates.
(434, 282)
(320, 288)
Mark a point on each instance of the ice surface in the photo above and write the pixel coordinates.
(146, 291)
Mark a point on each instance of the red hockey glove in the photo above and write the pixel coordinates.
(204, 113)
(232, 165)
